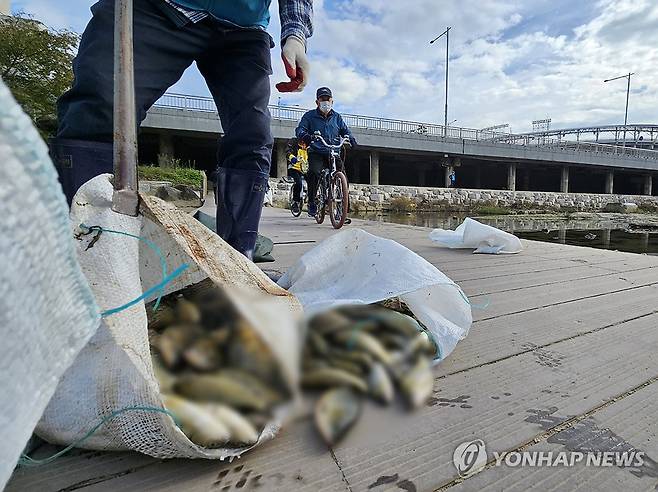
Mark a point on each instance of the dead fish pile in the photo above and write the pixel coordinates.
(362, 351)
(216, 375)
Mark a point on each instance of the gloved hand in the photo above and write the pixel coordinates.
(294, 58)
(293, 160)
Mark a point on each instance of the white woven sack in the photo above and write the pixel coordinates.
(355, 267)
(47, 311)
(114, 370)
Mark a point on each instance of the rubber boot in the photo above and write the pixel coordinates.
(77, 161)
(240, 196)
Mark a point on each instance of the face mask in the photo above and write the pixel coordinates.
(325, 106)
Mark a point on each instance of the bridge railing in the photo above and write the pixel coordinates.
(539, 141)
(206, 104)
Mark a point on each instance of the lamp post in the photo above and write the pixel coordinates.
(628, 91)
(447, 34)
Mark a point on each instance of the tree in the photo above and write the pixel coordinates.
(35, 63)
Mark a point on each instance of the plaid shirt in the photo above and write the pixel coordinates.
(296, 17)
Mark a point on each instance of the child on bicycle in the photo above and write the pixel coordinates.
(297, 156)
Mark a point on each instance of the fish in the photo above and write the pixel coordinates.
(364, 359)
(332, 376)
(187, 312)
(364, 341)
(197, 423)
(242, 431)
(203, 355)
(345, 364)
(397, 322)
(173, 341)
(248, 351)
(417, 383)
(221, 388)
(328, 322)
(318, 343)
(336, 412)
(221, 335)
(380, 386)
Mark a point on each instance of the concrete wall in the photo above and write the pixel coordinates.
(371, 197)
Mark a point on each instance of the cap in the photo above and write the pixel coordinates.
(323, 91)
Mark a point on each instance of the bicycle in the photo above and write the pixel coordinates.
(332, 190)
(302, 195)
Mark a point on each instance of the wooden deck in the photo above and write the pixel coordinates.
(563, 358)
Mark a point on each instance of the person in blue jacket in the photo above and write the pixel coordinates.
(228, 41)
(331, 126)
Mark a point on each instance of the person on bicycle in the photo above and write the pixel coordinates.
(297, 157)
(331, 126)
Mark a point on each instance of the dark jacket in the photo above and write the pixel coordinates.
(331, 127)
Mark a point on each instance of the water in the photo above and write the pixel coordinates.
(596, 231)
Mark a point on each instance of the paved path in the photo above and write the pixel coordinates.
(562, 359)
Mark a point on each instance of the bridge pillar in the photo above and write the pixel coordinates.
(421, 176)
(648, 185)
(281, 161)
(356, 171)
(609, 182)
(564, 182)
(165, 149)
(374, 167)
(511, 176)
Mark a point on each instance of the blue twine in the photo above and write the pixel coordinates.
(25, 460)
(155, 288)
(166, 278)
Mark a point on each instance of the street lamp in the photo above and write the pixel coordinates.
(453, 121)
(447, 34)
(628, 91)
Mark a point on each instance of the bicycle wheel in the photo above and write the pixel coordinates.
(338, 200)
(320, 201)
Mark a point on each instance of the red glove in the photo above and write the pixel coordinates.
(296, 63)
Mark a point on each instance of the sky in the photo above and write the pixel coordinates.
(511, 61)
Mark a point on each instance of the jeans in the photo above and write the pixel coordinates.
(234, 62)
(297, 187)
(316, 162)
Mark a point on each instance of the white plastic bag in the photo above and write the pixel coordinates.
(473, 234)
(114, 371)
(47, 311)
(355, 267)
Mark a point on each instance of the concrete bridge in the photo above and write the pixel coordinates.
(421, 154)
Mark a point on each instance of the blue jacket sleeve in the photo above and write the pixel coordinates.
(345, 131)
(303, 130)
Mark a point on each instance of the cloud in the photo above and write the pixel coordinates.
(511, 61)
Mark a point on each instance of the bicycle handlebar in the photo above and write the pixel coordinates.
(332, 147)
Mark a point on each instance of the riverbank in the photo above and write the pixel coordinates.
(374, 198)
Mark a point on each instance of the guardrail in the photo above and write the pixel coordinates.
(540, 142)
(206, 104)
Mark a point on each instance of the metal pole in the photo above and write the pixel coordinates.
(125, 199)
(447, 33)
(445, 121)
(628, 92)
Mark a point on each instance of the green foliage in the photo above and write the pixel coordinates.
(35, 63)
(402, 204)
(176, 175)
